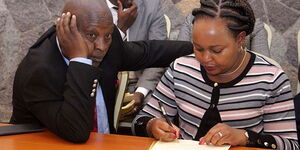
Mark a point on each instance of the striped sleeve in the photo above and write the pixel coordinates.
(279, 114)
(164, 92)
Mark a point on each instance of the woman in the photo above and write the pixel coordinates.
(223, 94)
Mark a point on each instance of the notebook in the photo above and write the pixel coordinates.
(20, 128)
(185, 145)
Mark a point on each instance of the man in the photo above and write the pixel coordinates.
(140, 20)
(69, 73)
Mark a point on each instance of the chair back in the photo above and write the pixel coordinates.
(268, 59)
(123, 79)
(168, 25)
(269, 34)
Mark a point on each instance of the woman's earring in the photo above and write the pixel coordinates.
(242, 49)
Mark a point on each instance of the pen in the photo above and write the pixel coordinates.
(164, 113)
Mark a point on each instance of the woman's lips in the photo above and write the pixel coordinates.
(209, 68)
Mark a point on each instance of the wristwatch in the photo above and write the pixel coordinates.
(247, 135)
(260, 140)
(252, 138)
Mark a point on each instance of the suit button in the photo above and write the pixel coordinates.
(94, 90)
(92, 94)
(94, 85)
(140, 123)
(273, 146)
(216, 84)
(95, 81)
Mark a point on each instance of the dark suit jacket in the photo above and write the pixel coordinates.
(48, 92)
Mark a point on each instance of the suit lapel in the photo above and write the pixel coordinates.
(57, 56)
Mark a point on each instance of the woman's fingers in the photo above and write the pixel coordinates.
(222, 134)
(161, 130)
(166, 136)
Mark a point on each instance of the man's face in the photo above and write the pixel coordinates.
(98, 37)
(126, 3)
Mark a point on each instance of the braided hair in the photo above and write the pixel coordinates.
(238, 14)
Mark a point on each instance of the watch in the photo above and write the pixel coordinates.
(247, 135)
(260, 140)
(252, 138)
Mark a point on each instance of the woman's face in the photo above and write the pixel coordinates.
(215, 47)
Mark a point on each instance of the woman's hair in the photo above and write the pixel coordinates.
(238, 13)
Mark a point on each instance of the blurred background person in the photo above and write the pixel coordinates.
(139, 20)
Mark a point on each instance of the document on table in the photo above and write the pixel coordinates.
(185, 145)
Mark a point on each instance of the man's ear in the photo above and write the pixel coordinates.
(241, 38)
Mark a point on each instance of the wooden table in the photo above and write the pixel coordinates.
(48, 141)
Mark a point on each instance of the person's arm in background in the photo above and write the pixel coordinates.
(185, 33)
(136, 55)
(126, 18)
(147, 82)
(151, 76)
(259, 39)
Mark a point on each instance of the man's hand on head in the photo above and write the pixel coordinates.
(71, 41)
(126, 17)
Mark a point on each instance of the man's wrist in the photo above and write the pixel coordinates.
(122, 28)
(123, 34)
(143, 91)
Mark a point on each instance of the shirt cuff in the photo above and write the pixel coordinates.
(123, 35)
(142, 90)
(82, 60)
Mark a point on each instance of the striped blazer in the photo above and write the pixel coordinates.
(260, 99)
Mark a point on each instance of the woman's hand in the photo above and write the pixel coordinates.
(161, 130)
(222, 134)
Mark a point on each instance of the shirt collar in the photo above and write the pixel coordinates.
(66, 60)
(110, 5)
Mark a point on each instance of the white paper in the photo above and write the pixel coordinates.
(186, 145)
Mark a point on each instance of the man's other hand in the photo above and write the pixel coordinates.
(126, 17)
